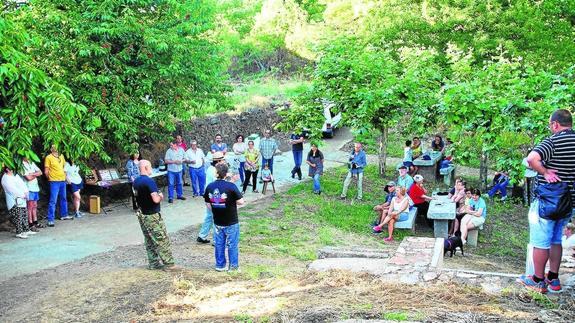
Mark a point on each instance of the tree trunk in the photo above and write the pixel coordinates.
(483, 171)
(382, 153)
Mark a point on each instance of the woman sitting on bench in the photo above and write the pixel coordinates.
(475, 216)
(398, 211)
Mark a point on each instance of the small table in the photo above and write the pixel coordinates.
(441, 210)
(429, 168)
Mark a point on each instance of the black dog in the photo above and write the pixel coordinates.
(451, 244)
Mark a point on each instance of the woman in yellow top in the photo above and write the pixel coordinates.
(251, 166)
(416, 148)
(54, 170)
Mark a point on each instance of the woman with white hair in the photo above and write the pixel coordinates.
(418, 195)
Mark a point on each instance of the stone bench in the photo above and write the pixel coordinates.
(409, 223)
(448, 175)
(472, 237)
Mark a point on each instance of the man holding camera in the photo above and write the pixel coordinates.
(357, 162)
(155, 235)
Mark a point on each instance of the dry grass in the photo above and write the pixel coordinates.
(333, 295)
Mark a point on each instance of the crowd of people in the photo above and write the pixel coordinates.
(219, 181)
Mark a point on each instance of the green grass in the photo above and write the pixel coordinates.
(396, 316)
(299, 223)
(261, 92)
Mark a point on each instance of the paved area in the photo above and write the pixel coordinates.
(72, 240)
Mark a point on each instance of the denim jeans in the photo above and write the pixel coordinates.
(57, 193)
(207, 225)
(316, 185)
(269, 162)
(347, 181)
(227, 236)
(499, 187)
(198, 176)
(174, 178)
(297, 157)
(242, 169)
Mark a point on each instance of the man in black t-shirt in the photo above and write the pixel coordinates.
(223, 197)
(297, 149)
(554, 160)
(155, 235)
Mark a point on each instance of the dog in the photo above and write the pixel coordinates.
(451, 245)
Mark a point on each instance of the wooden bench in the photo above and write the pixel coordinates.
(409, 223)
(266, 186)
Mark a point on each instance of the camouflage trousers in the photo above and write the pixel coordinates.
(156, 240)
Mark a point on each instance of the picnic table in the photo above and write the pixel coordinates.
(441, 210)
(429, 168)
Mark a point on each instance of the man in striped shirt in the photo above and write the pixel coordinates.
(554, 161)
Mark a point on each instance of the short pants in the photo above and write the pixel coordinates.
(542, 232)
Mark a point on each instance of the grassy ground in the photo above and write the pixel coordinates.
(263, 91)
(298, 223)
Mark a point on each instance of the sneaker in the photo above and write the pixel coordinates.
(503, 198)
(235, 269)
(200, 240)
(388, 239)
(171, 201)
(376, 229)
(528, 282)
(22, 235)
(221, 269)
(181, 198)
(342, 197)
(30, 233)
(553, 285)
(51, 224)
(78, 214)
(34, 229)
(67, 217)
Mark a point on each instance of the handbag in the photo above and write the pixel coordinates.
(554, 200)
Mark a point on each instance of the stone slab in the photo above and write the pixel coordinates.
(367, 265)
(435, 157)
(351, 252)
(441, 208)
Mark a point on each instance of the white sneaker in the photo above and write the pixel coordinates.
(30, 233)
(22, 235)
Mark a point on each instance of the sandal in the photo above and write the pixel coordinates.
(388, 239)
(256, 191)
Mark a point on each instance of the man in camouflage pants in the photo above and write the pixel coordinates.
(155, 235)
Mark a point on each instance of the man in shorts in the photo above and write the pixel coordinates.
(554, 161)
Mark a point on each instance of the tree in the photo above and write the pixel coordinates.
(34, 107)
(137, 66)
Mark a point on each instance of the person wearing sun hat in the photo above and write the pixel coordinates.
(418, 194)
(404, 179)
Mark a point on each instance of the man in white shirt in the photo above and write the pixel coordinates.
(195, 159)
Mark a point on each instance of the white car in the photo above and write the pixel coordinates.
(331, 119)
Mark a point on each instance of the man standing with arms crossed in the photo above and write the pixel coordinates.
(156, 237)
(554, 160)
(174, 159)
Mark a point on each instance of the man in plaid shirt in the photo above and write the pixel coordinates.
(268, 147)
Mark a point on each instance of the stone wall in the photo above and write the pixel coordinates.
(229, 125)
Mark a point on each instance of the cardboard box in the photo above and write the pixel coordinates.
(94, 204)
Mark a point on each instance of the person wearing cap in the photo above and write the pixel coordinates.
(500, 182)
(174, 158)
(404, 179)
(195, 160)
(211, 176)
(357, 162)
(382, 209)
(418, 195)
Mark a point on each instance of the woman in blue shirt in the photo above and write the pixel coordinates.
(476, 214)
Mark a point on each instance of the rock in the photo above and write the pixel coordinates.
(336, 252)
(429, 276)
(372, 266)
(410, 279)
